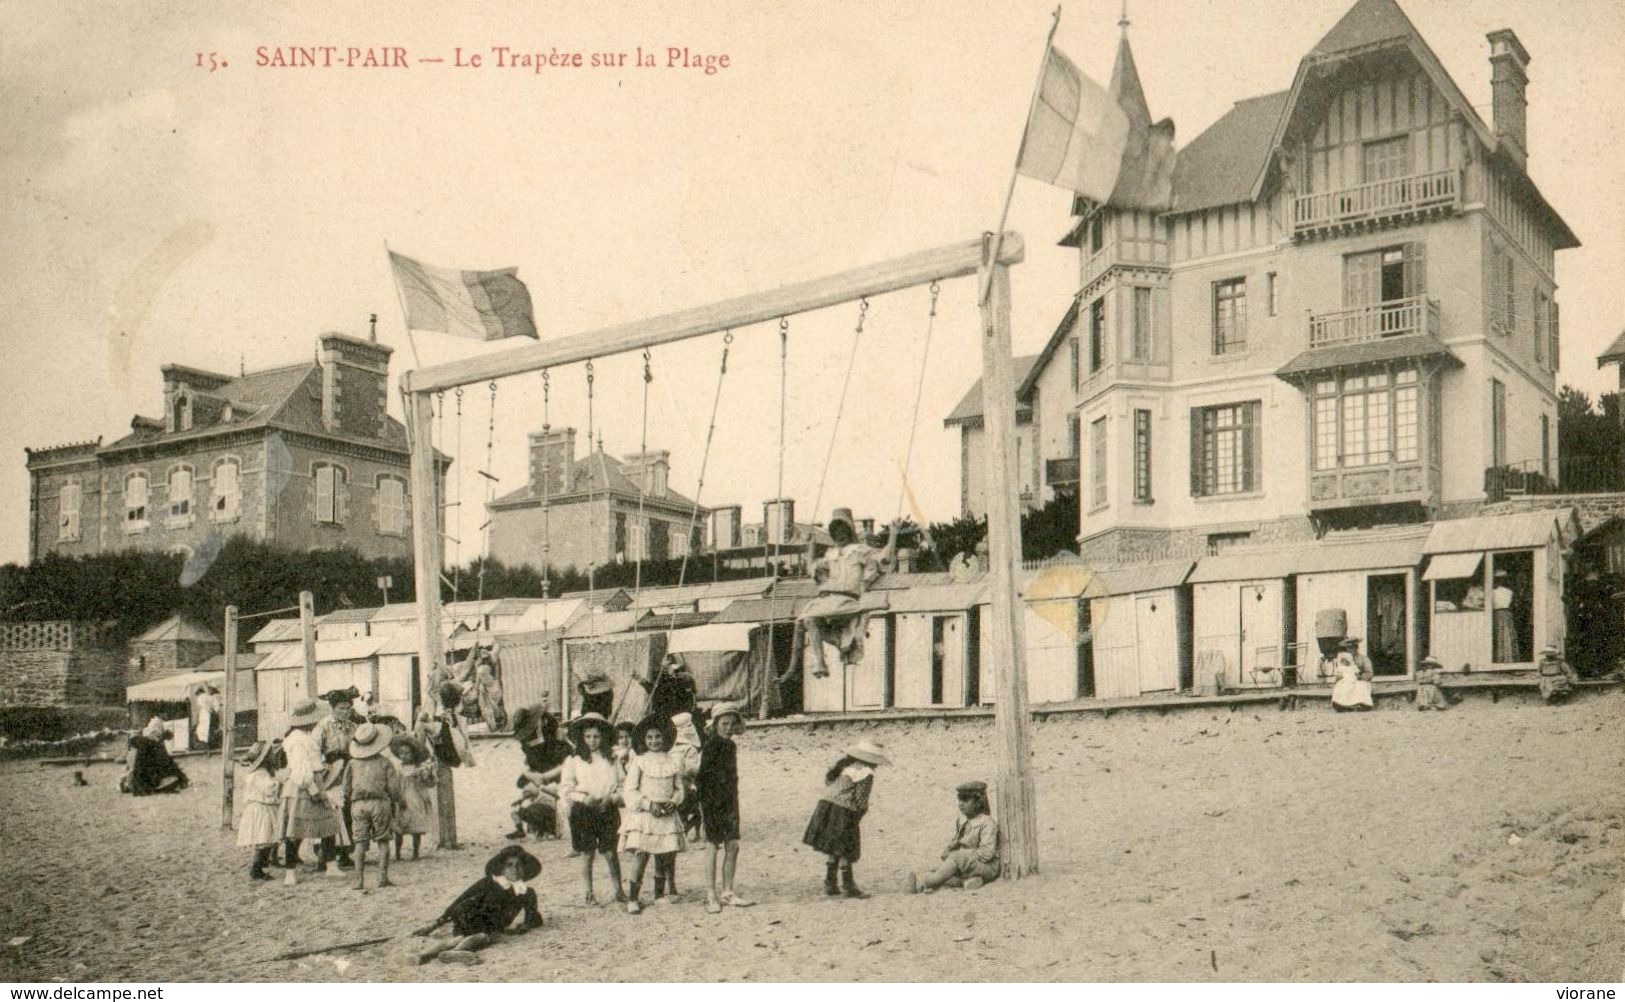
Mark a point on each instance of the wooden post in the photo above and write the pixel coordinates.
(307, 629)
(228, 720)
(426, 514)
(1016, 808)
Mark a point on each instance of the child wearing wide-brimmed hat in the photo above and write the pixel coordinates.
(591, 784)
(716, 787)
(372, 787)
(310, 802)
(1429, 694)
(834, 828)
(971, 858)
(652, 792)
(259, 827)
(488, 907)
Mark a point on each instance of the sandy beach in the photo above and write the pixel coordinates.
(1479, 844)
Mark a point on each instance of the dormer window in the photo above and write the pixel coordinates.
(1097, 232)
(182, 417)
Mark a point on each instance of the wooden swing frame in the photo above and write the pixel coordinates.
(990, 260)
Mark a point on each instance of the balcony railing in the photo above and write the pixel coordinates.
(1568, 475)
(1061, 472)
(1411, 315)
(1376, 202)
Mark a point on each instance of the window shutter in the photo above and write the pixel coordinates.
(376, 507)
(341, 498)
(1196, 452)
(1555, 354)
(324, 493)
(1416, 279)
(1249, 446)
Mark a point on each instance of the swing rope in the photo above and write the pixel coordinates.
(699, 490)
(592, 517)
(643, 486)
(457, 544)
(919, 391)
(490, 491)
(773, 590)
(840, 406)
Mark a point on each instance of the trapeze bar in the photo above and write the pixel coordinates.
(941, 263)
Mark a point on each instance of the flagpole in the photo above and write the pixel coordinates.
(1010, 192)
(406, 319)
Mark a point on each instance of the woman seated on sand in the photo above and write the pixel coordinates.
(152, 770)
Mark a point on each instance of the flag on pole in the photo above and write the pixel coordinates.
(1076, 134)
(487, 305)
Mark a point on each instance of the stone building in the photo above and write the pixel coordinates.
(173, 647)
(1350, 274)
(302, 456)
(595, 509)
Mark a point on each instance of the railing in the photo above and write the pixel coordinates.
(1569, 475)
(1061, 472)
(1376, 200)
(1412, 315)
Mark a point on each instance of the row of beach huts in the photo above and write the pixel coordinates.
(1233, 620)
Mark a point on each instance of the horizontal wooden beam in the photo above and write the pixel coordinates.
(953, 261)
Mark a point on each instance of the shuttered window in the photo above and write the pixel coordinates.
(1097, 463)
(1142, 456)
(135, 502)
(1225, 449)
(1230, 316)
(180, 494)
(391, 506)
(1140, 336)
(225, 490)
(69, 500)
(332, 494)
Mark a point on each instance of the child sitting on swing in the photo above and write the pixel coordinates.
(850, 568)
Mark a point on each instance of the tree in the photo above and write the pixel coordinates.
(1590, 441)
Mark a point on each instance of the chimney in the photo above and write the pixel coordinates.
(779, 520)
(552, 461)
(866, 528)
(649, 470)
(725, 527)
(1509, 78)
(355, 384)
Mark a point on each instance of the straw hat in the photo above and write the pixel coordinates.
(1430, 661)
(304, 713)
(369, 740)
(585, 721)
(256, 755)
(336, 696)
(529, 866)
(867, 750)
(727, 710)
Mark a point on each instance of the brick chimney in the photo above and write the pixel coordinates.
(725, 527)
(778, 520)
(552, 461)
(649, 470)
(1509, 80)
(355, 384)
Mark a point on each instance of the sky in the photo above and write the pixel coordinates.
(157, 211)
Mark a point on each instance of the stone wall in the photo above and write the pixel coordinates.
(163, 658)
(59, 664)
(1593, 509)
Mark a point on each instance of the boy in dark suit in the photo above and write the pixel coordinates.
(488, 908)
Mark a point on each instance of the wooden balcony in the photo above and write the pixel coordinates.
(1380, 203)
(1387, 483)
(1411, 315)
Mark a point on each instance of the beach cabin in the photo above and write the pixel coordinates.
(1053, 617)
(280, 680)
(1495, 587)
(1243, 611)
(1136, 631)
(603, 646)
(733, 662)
(711, 596)
(772, 623)
(169, 697)
(935, 647)
(1373, 581)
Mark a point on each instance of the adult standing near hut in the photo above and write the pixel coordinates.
(310, 803)
(1506, 633)
(843, 574)
(333, 737)
(1352, 690)
(671, 691)
(441, 729)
